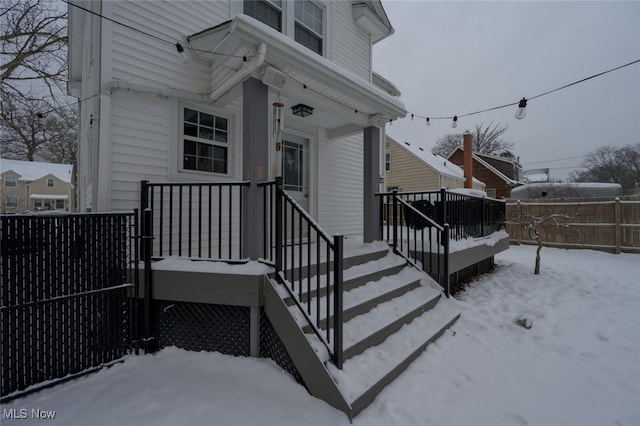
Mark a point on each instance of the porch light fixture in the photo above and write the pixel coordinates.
(521, 112)
(302, 110)
(454, 123)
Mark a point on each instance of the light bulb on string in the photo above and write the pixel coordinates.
(428, 122)
(521, 112)
(454, 123)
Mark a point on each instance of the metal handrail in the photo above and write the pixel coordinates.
(422, 215)
(334, 256)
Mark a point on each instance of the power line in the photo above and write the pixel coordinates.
(552, 161)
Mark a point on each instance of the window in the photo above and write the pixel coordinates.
(308, 25)
(387, 162)
(491, 192)
(59, 204)
(265, 11)
(50, 182)
(12, 201)
(10, 181)
(205, 138)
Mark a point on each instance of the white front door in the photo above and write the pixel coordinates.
(295, 168)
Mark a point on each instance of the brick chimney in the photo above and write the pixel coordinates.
(467, 159)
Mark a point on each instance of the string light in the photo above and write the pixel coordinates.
(454, 122)
(428, 121)
(521, 112)
(526, 100)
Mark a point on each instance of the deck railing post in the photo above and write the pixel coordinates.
(396, 218)
(338, 266)
(484, 216)
(445, 261)
(147, 240)
(279, 225)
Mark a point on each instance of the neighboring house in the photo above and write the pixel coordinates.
(210, 102)
(500, 174)
(409, 167)
(32, 185)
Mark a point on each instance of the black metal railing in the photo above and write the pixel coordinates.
(308, 263)
(416, 236)
(195, 219)
(420, 225)
(67, 299)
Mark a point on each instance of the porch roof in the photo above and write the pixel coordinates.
(342, 101)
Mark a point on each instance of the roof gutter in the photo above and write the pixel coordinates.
(247, 69)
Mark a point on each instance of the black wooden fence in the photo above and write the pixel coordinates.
(66, 304)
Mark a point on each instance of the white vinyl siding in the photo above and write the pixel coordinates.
(351, 47)
(340, 181)
(140, 58)
(140, 146)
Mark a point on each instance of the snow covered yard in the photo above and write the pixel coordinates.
(578, 364)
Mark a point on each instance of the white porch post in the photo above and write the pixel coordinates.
(372, 141)
(255, 162)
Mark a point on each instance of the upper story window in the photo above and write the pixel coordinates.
(205, 139)
(308, 25)
(303, 20)
(10, 181)
(50, 182)
(266, 11)
(387, 162)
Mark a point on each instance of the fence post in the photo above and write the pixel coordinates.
(144, 195)
(519, 233)
(279, 225)
(396, 218)
(445, 261)
(618, 227)
(338, 266)
(147, 239)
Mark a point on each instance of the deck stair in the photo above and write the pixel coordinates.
(391, 313)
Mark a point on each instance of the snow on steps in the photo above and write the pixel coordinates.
(390, 316)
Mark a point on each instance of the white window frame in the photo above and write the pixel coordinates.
(53, 182)
(277, 8)
(234, 140)
(288, 20)
(12, 179)
(387, 162)
(311, 30)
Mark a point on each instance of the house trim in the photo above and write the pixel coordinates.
(492, 169)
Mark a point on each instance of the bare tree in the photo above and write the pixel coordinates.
(36, 123)
(534, 225)
(31, 131)
(611, 164)
(33, 44)
(486, 140)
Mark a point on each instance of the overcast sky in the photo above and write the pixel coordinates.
(451, 58)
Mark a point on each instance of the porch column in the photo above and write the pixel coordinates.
(372, 142)
(255, 161)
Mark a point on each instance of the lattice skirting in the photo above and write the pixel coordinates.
(203, 327)
(272, 347)
(218, 328)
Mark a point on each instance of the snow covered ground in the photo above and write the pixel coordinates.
(578, 364)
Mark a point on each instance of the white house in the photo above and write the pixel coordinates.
(241, 92)
(150, 112)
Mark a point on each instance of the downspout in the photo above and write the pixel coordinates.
(244, 72)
